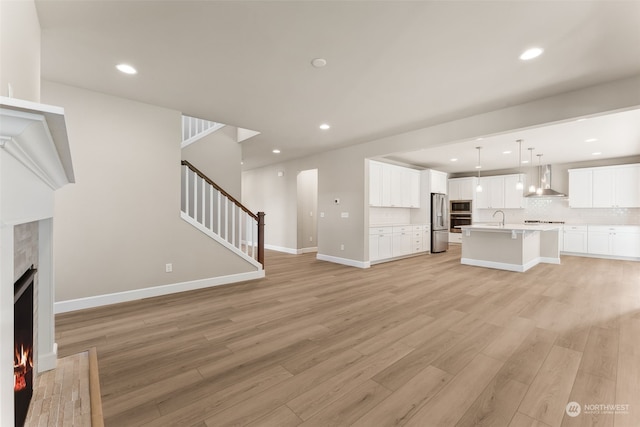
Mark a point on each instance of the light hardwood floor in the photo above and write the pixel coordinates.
(423, 341)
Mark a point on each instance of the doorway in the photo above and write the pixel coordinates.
(307, 188)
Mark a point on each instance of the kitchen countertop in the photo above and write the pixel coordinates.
(512, 227)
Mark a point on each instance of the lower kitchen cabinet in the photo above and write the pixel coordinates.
(387, 242)
(574, 238)
(619, 241)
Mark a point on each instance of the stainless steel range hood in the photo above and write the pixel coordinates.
(545, 181)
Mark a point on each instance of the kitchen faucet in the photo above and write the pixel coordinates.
(494, 214)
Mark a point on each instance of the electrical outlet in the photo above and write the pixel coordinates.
(342, 247)
(311, 238)
(168, 268)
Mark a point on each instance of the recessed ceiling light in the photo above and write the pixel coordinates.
(506, 152)
(591, 140)
(525, 161)
(479, 139)
(324, 126)
(478, 167)
(319, 62)
(126, 68)
(275, 151)
(453, 160)
(528, 54)
(581, 120)
(597, 153)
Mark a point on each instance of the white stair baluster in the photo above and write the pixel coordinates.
(219, 209)
(203, 222)
(186, 190)
(211, 207)
(233, 224)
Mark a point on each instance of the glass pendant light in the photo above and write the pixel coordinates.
(532, 188)
(479, 186)
(519, 184)
(539, 190)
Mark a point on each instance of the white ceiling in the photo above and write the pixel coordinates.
(608, 136)
(393, 66)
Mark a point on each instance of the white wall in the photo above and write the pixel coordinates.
(20, 49)
(119, 224)
(218, 156)
(343, 173)
(307, 209)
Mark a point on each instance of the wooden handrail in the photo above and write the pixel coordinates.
(217, 187)
(259, 217)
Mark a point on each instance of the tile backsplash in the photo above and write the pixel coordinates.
(559, 210)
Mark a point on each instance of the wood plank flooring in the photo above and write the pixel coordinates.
(422, 341)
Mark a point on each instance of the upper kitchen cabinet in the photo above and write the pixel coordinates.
(462, 188)
(438, 182)
(393, 186)
(605, 187)
(499, 192)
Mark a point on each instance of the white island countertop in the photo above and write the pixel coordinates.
(511, 227)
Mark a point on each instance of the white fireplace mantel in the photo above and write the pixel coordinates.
(35, 160)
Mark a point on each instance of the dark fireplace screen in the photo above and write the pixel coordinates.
(23, 344)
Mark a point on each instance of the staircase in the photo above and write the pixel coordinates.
(213, 211)
(193, 129)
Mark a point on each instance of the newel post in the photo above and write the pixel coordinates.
(261, 238)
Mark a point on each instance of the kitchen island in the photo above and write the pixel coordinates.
(513, 247)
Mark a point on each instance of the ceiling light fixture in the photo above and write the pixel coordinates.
(275, 151)
(529, 54)
(479, 186)
(453, 160)
(325, 126)
(319, 62)
(519, 184)
(591, 140)
(506, 152)
(126, 68)
(532, 188)
(597, 153)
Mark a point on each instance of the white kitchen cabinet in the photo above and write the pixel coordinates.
(393, 186)
(513, 197)
(455, 238)
(416, 239)
(462, 188)
(492, 194)
(574, 238)
(605, 187)
(426, 238)
(580, 188)
(438, 182)
(380, 243)
(402, 240)
(620, 241)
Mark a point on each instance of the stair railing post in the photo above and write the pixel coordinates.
(261, 238)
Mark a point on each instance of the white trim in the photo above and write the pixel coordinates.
(220, 240)
(500, 265)
(48, 361)
(136, 294)
(309, 250)
(344, 261)
(602, 256)
(283, 249)
(549, 260)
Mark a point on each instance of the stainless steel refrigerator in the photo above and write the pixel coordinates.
(439, 223)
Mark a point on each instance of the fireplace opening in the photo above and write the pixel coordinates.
(23, 344)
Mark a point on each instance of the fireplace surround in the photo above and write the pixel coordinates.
(35, 161)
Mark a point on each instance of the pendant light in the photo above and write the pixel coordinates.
(539, 190)
(479, 186)
(519, 184)
(532, 188)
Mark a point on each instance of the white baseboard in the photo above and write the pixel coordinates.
(582, 254)
(309, 250)
(118, 297)
(500, 265)
(283, 249)
(344, 261)
(548, 260)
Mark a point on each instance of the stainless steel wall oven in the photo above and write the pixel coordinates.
(459, 214)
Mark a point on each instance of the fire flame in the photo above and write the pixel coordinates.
(21, 366)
